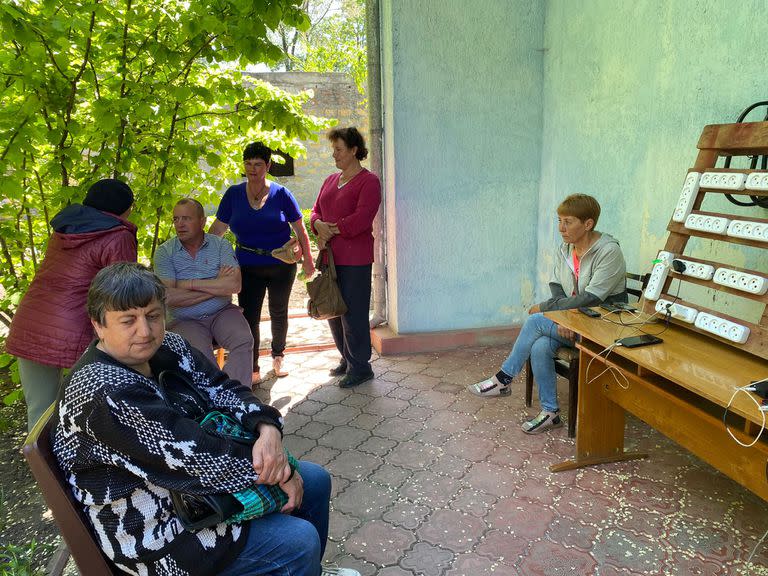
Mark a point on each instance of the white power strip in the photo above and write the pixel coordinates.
(656, 281)
(687, 197)
(722, 327)
(697, 269)
(684, 313)
(748, 230)
(703, 223)
(741, 281)
(723, 180)
(757, 181)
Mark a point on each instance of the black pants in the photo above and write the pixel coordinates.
(277, 281)
(351, 332)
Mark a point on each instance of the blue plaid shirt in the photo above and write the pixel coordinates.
(173, 262)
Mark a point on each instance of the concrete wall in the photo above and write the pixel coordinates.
(628, 87)
(335, 96)
(493, 115)
(462, 123)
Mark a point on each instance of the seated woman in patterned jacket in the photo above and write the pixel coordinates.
(124, 449)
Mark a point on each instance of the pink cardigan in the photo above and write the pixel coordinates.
(352, 208)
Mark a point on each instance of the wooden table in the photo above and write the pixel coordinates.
(679, 387)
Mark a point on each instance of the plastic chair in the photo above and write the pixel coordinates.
(567, 362)
(68, 513)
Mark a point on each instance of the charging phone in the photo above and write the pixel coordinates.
(637, 341)
(589, 312)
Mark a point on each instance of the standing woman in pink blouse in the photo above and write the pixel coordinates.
(342, 219)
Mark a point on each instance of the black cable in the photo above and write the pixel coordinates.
(756, 200)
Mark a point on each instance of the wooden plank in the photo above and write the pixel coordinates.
(697, 431)
(747, 138)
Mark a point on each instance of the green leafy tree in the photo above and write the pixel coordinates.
(334, 42)
(149, 91)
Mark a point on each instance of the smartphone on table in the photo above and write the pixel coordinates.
(589, 312)
(637, 341)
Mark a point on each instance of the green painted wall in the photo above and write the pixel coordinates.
(462, 121)
(628, 87)
(494, 112)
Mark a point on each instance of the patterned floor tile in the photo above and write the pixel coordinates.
(344, 437)
(407, 515)
(472, 565)
(398, 429)
(473, 502)
(548, 559)
(354, 465)
(452, 530)
(570, 533)
(413, 455)
(336, 414)
(428, 488)
(625, 549)
(667, 515)
(492, 479)
(365, 500)
(501, 547)
(427, 559)
(526, 522)
(379, 542)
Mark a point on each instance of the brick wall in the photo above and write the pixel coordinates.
(335, 96)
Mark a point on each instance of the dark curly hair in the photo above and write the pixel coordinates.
(257, 150)
(352, 138)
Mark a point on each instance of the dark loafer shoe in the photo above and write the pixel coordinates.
(351, 380)
(339, 370)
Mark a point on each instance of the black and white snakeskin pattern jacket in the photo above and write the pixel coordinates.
(122, 449)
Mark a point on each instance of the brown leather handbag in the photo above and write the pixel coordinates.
(325, 299)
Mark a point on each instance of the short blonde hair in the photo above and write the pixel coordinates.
(580, 206)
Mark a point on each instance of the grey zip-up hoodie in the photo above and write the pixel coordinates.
(602, 276)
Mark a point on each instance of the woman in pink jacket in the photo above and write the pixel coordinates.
(342, 218)
(51, 329)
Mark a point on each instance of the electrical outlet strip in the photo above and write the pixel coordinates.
(687, 197)
(684, 313)
(665, 257)
(656, 281)
(748, 230)
(723, 180)
(741, 281)
(757, 181)
(722, 327)
(711, 224)
(697, 269)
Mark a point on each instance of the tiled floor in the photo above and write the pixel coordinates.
(431, 480)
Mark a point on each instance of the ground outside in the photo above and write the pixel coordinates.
(429, 480)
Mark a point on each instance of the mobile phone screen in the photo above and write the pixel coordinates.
(636, 341)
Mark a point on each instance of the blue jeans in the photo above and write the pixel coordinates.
(289, 544)
(538, 339)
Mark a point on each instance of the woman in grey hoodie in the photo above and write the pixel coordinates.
(589, 270)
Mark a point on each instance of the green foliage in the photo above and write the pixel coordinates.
(137, 90)
(335, 41)
(20, 560)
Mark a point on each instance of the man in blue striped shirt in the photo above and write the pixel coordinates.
(201, 273)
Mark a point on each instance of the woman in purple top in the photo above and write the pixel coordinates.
(261, 215)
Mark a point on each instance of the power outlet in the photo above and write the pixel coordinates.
(656, 281)
(722, 327)
(665, 257)
(741, 281)
(687, 197)
(723, 180)
(684, 313)
(757, 181)
(748, 230)
(703, 223)
(697, 269)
